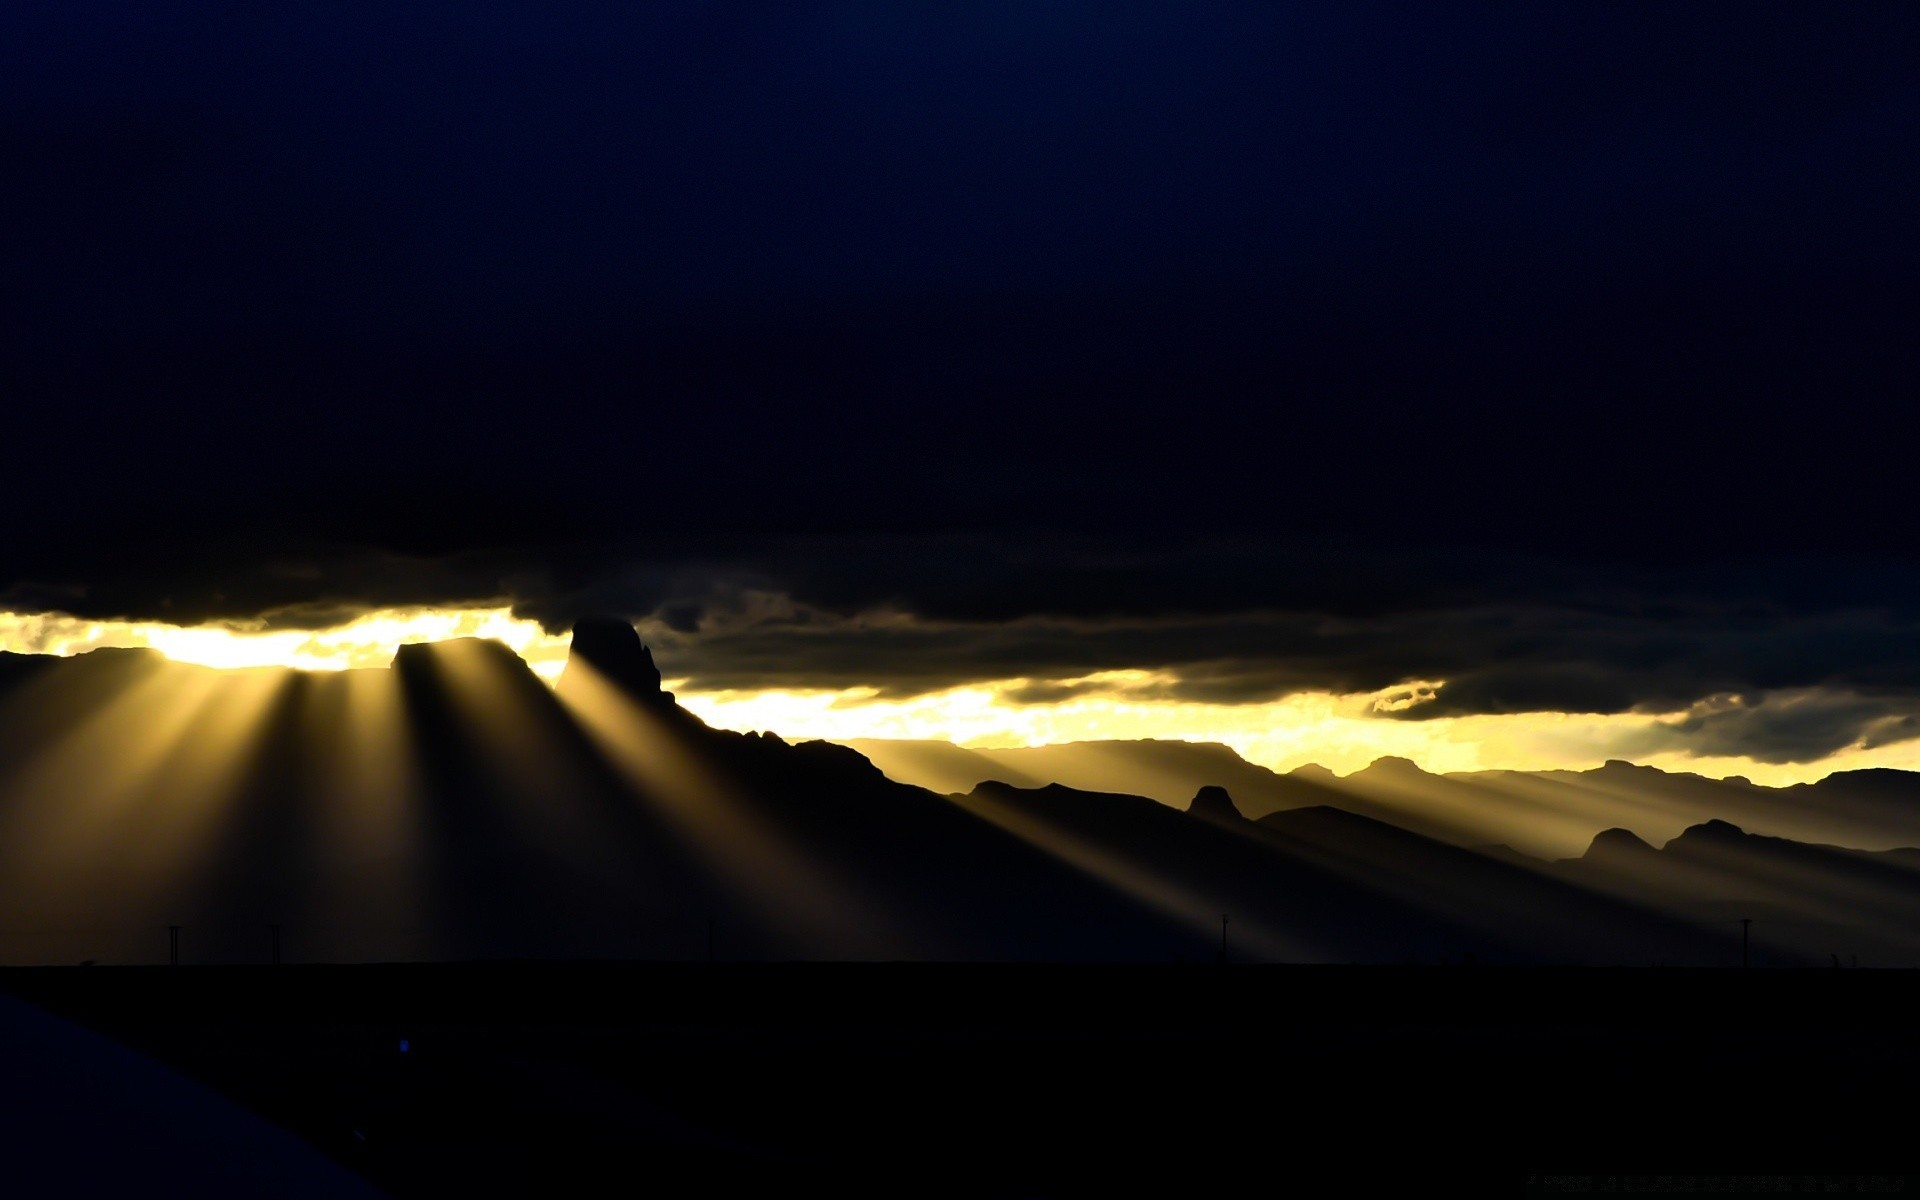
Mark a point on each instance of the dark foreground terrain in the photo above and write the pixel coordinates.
(906, 1080)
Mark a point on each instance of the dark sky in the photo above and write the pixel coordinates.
(1232, 313)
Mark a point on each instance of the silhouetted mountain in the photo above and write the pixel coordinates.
(1617, 846)
(1807, 902)
(1212, 803)
(1542, 814)
(1320, 884)
(1814, 894)
(1509, 898)
(1553, 814)
(1168, 771)
(455, 806)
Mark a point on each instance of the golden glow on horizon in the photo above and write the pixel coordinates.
(368, 640)
(1343, 732)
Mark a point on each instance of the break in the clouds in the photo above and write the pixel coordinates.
(1774, 662)
(1771, 661)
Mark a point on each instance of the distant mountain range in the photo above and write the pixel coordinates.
(454, 806)
(1545, 814)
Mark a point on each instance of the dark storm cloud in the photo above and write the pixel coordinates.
(1055, 693)
(1224, 622)
(309, 587)
(1751, 676)
(439, 277)
(1508, 635)
(1560, 354)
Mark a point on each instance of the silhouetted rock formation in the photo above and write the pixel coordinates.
(612, 647)
(1212, 803)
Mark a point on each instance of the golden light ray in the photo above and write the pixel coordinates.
(707, 811)
(1556, 816)
(120, 812)
(480, 688)
(368, 824)
(189, 793)
(490, 700)
(369, 773)
(1197, 911)
(1451, 811)
(67, 796)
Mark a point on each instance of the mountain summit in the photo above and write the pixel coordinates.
(1212, 803)
(1617, 847)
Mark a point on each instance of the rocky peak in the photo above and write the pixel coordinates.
(416, 656)
(1615, 846)
(1212, 803)
(612, 647)
(1392, 766)
(1708, 835)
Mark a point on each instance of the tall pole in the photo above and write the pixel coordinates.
(1746, 924)
(273, 939)
(1223, 939)
(173, 945)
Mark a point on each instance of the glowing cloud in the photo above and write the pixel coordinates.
(368, 640)
(1343, 732)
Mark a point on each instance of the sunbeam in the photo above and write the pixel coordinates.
(1198, 909)
(716, 819)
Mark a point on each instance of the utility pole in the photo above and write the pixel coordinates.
(1223, 939)
(1746, 924)
(173, 945)
(273, 940)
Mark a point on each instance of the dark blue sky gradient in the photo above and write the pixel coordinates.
(583, 283)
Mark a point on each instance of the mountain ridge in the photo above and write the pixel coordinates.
(1548, 814)
(456, 806)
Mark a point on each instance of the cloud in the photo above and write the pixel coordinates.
(1217, 621)
(1056, 693)
(1505, 636)
(1798, 726)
